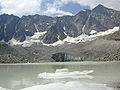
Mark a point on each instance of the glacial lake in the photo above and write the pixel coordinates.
(60, 76)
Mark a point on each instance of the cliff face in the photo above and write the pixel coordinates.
(28, 25)
(8, 25)
(101, 19)
(58, 28)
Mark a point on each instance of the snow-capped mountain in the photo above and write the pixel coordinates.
(84, 26)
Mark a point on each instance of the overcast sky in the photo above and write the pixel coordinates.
(52, 7)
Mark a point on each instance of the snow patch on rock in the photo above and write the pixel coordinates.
(29, 40)
(93, 32)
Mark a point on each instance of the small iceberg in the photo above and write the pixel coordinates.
(62, 70)
(64, 73)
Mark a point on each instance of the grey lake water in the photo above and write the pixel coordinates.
(61, 76)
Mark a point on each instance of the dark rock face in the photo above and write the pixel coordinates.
(28, 25)
(58, 28)
(7, 26)
(59, 57)
(63, 57)
(66, 26)
(80, 20)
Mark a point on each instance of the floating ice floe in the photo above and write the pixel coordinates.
(70, 86)
(63, 73)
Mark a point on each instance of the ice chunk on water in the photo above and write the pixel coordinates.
(70, 86)
(62, 70)
(63, 73)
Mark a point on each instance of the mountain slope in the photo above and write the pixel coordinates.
(28, 29)
(99, 19)
(9, 55)
(102, 19)
(28, 25)
(96, 50)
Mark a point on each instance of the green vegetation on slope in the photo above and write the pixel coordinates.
(115, 36)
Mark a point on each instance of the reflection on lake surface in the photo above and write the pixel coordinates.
(61, 76)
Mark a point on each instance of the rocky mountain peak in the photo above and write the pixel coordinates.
(99, 7)
(103, 10)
